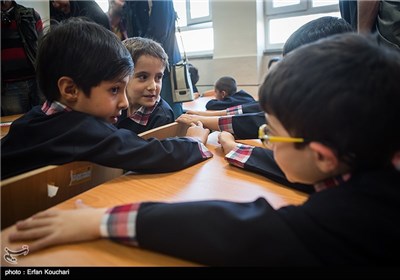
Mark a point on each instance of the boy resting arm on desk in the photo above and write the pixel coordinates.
(85, 85)
(227, 95)
(320, 125)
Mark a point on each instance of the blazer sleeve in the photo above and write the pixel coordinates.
(221, 233)
(125, 149)
(245, 126)
(215, 104)
(262, 161)
(252, 107)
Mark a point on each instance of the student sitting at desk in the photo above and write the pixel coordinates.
(352, 219)
(146, 109)
(226, 95)
(84, 84)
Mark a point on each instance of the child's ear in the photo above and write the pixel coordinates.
(324, 157)
(224, 94)
(68, 89)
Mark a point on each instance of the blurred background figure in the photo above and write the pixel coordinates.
(194, 78)
(64, 9)
(115, 16)
(21, 28)
(348, 11)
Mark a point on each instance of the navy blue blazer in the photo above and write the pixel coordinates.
(161, 115)
(251, 107)
(354, 224)
(239, 98)
(245, 126)
(36, 140)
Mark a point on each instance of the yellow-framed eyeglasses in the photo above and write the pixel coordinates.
(263, 132)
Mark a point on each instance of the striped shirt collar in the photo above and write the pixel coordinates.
(50, 108)
(142, 115)
(332, 182)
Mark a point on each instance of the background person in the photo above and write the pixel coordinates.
(21, 29)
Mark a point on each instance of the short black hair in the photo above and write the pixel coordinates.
(83, 50)
(227, 84)
(314, 30)
(138, 46)
(342, 91)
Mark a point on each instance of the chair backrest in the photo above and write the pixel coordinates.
(169, 130)
(28, 193)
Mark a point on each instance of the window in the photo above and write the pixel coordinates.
(198, 11)
(196, 34)
(283, 17)
(194, 23)
(103, 5)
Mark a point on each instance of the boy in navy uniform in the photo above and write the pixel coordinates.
(227, 95)
(147, 109)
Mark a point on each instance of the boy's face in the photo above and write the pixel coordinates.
(299, 165)
(106, 100)
(145, 85)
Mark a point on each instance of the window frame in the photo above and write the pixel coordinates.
(304, 8)
(193, 21)
(193, 24)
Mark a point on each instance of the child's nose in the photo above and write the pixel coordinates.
(151, 85)
(123, 104)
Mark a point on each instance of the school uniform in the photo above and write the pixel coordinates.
(243, 126)
(147, 118)
(238, 98)
(39, 139)
(251, 107)
(352, 220)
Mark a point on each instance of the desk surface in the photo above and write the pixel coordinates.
(199, 104)
(211, 179)
(6, 122)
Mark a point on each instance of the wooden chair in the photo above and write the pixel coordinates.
(28, 193)
(169, 130)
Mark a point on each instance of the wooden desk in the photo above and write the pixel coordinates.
(198, 104)
(211, 179)
(6, 123)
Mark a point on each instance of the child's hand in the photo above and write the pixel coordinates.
(54, 227)
(188, 119)
(227, 141)
(196, 130)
